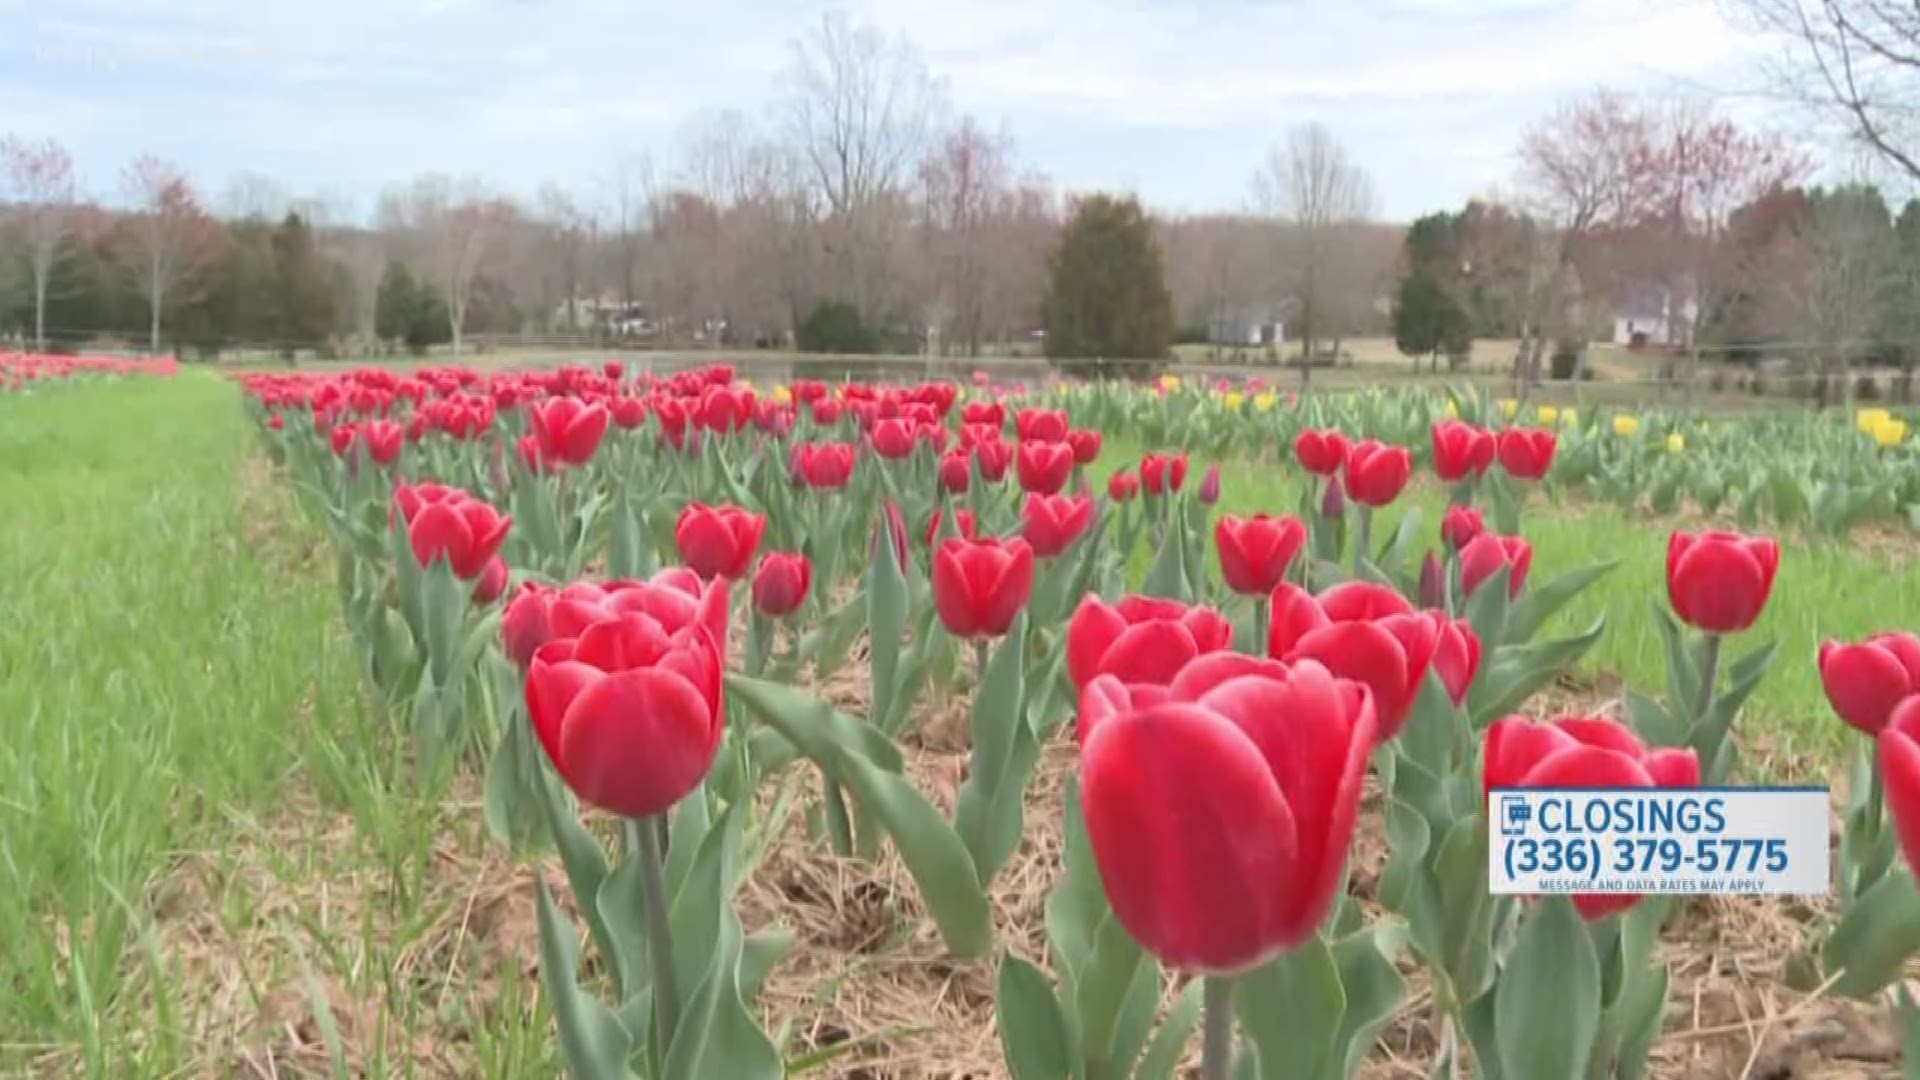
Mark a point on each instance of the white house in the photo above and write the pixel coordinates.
(1254, 325)
(1651, 318)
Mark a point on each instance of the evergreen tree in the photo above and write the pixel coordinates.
(302, 289)
(1107, 293)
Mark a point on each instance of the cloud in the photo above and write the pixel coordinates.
(1176, 100)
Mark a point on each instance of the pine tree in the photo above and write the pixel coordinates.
(1107, 294)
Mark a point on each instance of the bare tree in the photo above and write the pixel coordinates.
(1313, 186)
(566, 231)
(1850, 263)
(963, 185)
(455, 223)
(1585, 168)
(171, 237)
(859, 108)
(41, 185)
(252, 194)
(628, 189)
(1856, 61)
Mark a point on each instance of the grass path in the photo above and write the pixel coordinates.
(158, 679)
(1825, 589)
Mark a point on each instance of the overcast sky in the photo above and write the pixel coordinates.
(1176, 101)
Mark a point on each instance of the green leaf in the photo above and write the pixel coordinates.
(1169, 1043)
(1168, 576)
(1033, 1031)
(1547, 1003)
(987, 811)
(1078, 905)
(934, 853)
(1518, 671)
(717, 1035)
(886, 618)
(1875, 936)
(758, 957)
(1374, 990)
(1909, 1018)
(586, 865)
(592, 1040)
(1101, 992)
(1291, 1008)
(1540, 603)
(814, 728)
(1486, 609)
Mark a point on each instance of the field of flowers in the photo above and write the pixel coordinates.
(956, 729)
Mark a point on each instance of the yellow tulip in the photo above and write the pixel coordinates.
(1548, 414)
(1169, 383)
(1234, 399)
(1453, 411)
(1868, 420)
(1676, 443)
(1891, 433)
(781, 394)
(1508, 406)
(1626, 426)
(1265, 400)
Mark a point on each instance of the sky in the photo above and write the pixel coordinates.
(1177, 102)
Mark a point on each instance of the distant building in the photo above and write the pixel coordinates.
(1652, 318)
(1259, 324)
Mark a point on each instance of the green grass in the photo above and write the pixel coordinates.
(1824, 589)
(158, 679)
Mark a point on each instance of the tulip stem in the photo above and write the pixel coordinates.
(1216, 1047)
(1262, 619)
(666, 998)
(1709, 677)
(1363, 537)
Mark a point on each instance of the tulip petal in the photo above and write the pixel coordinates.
(552, 685)
(638, 742)
(1149, 652)
(1863, 683)
(1197, 888)
(1090, 633)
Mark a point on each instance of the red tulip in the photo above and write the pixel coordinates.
(631, 711)
(1461, 450)
(1460, 525)
(1221, 808)
(994, 457)
(1040, 425)
(1456, 657)
(989, 413)
(826, 411)
(780, 585)
(894, 439)
(341, 439)
(444, 522)
(895, 525)
(1210, 485)
(568, 430)
(1054, 522)
(1581, 752)
(1162, 474)
(1122, 486)
(1141, 639)
(718, 541)
(964, 526)
(827, 466)
(1482, 558)
(1085, 443)
(1865, 682)
(613, 369)
(1376, 473)
(956, 472)
(383, 439)
(1255, 552)
(980, 585)
(1719, 581)
(1360, 631)
(673, 598)
(628, 412)
(1527, 453)
(492, 582)
(726, 408)
(1321, 453)
(1044, 466)
(1899, 753)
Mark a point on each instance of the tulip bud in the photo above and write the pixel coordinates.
(1210, 485)
(780, 586)
(1333, 505)
(1433, 582)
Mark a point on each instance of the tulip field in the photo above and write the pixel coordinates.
(662, 725)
